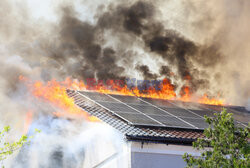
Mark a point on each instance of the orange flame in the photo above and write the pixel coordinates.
(55, 93)
(214, 101)
(166, 92)
(27, 121)
(185, 94)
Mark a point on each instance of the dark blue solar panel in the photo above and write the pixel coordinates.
(159, 102)
(128, 99)
(97, 96)
(147, 109)
(138, 119)
(180, 112)
(243, 117)
(157, 112)
(171, 121)
(117, 107)
(187, 105)
(213, 108)
(198, 122)
(240, 109)
(202, 113)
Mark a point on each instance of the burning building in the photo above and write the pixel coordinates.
(192, 47)
(153, 132)
(159, 131)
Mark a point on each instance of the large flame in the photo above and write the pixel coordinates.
(206, 100)
(55, 93)
(166, 92)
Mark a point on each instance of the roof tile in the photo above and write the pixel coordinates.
(144, 133)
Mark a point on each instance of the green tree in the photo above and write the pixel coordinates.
(224, 145)
(7, 148)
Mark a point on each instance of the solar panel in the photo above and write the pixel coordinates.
(187, 105)
(96, 96)
(157, 112)
(239, 113)
(243, 117)
(240, 109)
(146, 109)
(203, 113)
(239, 124)
(180, 112)
(198, 122)
(159, 102)
(170, 121)
(138, 119)
(117, 107)
(128, 99)
(212, 108)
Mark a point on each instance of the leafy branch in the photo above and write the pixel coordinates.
(225, 144)
(8, 148)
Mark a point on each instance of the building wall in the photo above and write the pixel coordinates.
(152, 155)
(149, 160)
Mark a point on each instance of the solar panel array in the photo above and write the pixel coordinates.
(162, 113)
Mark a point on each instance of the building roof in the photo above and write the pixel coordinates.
(133, 132)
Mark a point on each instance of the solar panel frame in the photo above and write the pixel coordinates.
(132, 102)
(156, 112)
(198, 122)
(170, 121)
(159, 102)
(240, 124)
(128, 99)
(172, 115)
(136, 110)
(96, 96)
(241, 117)
(180, 112)
(150, 121)
(146, 109)
(191, 115)
(212, 108)
(240, 109)
(127, 119)
(139, 119)
(187, 105)
(81, 93)
(175, 105)
(202, 113)
(117, 107)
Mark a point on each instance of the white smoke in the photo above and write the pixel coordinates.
(76, 144)
(29, 28)
(80, 143)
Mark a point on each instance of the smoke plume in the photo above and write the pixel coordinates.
(123, 37)
(202, 44)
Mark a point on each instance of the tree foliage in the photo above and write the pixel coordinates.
(224, 145)
(8, 148)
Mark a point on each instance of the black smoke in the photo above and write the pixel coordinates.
(144, 69)
(85, 43)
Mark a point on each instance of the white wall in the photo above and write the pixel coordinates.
(150, 155)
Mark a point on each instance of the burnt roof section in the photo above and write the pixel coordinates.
(136, 133)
